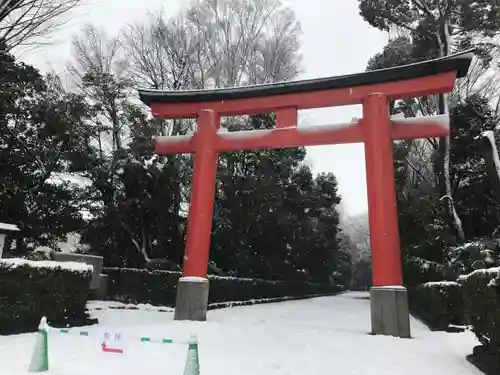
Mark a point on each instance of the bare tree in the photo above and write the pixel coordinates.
(162, 55)
(247, 42)
(160, 50)
(22, 22)
(99, 70)
(215, 43)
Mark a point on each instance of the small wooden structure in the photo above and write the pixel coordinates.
(4, 229)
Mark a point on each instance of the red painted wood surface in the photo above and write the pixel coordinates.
(202, 196)
(376, 130)
(296, 137)
(382, 209)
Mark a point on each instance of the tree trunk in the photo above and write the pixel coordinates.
(489, 150)
(444, 147)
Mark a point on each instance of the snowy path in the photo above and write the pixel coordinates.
(310, 337)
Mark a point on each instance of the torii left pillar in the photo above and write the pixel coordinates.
(192, 290)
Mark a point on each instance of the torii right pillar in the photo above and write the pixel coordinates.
(388, 298)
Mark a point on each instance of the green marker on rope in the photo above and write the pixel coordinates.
(40, 358)
(160, 341)
(192, 361)
(68, 331)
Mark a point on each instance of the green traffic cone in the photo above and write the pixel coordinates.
(40, 358)
(192, 361)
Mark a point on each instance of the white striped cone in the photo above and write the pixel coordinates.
(192, 360)
(40, 357)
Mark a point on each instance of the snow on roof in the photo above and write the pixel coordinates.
(69, 266)
(11, 227)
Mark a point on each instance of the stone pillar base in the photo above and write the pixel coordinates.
(192, 299)
(389, 311)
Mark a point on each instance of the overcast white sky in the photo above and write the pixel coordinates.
(335, 41)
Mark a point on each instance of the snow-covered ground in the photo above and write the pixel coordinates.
(327, 335)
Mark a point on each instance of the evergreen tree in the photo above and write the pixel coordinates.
(433, 29)
(272, 218)
(42, 128)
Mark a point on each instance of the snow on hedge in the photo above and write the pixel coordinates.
(492, 272)
(179, 273)
(252, 301)
(104, 305)
(9, 227)
(432, 284)
(69, 266)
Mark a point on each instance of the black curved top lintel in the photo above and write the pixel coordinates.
(458, 62)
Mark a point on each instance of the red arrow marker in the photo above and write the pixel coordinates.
(110, 350)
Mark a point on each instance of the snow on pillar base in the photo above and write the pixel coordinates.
(192, 299)
(389, 311)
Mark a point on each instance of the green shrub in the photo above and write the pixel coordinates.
(482, 306)
(159, 287)
(224, 289)
(417, 271)
(438, 304)
(131, 285)
(475, 255)
(30, 290)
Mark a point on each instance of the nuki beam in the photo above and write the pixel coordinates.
(293, 136)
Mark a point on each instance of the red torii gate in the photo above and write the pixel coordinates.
(376, 130)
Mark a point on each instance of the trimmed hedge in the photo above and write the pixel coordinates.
(31, 289)
(481, 293)
(438, 304)
(131, 285)
(418, 271)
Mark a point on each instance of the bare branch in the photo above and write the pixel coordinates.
(100, 71)
(247, 43)
(26, 22)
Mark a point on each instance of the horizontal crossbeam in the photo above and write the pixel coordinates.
(291, 137)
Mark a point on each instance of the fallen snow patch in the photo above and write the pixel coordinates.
(9, 227)
(389, 287)
(319, 336)
(104, 305)
(70, 266)
(194, 279)
(439, 283)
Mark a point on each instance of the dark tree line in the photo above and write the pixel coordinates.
(81, 159)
